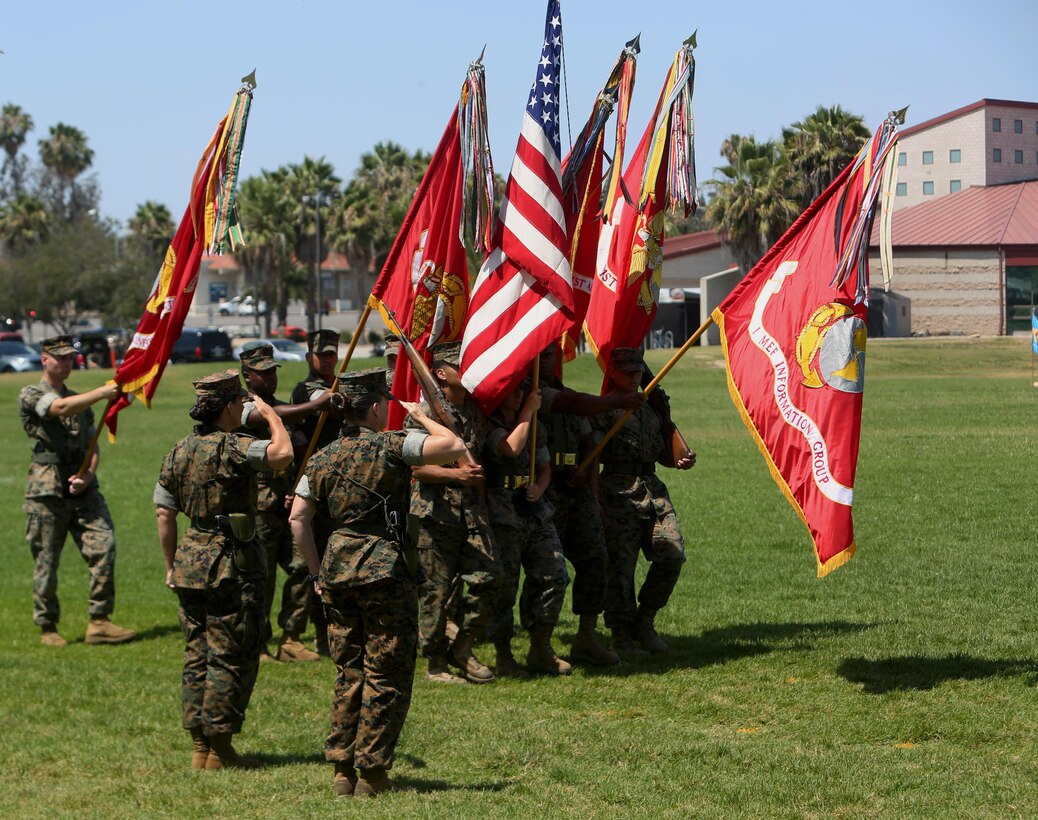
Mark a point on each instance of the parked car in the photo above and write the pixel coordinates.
(285, 350)
(95, 346)
(242, 306)
(293, 332)
(201, 344)
(17, 357)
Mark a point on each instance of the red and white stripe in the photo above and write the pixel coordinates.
(523, 296)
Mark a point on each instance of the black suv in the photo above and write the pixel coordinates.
(93, 349)
(201, 344)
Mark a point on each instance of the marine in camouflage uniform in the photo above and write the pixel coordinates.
(638, 516)
(218, 580)
(60, 425)
(526, 538)
(563, 416)
(456, 545)
(322, 355)
(259, 370)
(367, 581)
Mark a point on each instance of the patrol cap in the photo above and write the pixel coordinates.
(58, 346)
(258, 355)
(392, 342)
(447, 352)
(360, 383)
(223, 385)
(627, 359)
(321, 341)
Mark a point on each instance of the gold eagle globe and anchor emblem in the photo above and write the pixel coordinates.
(831, 349)
(439, 302)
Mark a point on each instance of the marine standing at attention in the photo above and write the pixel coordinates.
(217, 569)
(60, 424)
(367, 576)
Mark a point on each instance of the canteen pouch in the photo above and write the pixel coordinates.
(239, 529)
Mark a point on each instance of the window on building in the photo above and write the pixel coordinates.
(927, 157)
(996, 155)
(927, 189)
(902, 188)
(1021, 286)
(996, 123)
(1018, 126)
(1018, 157)
(902, 158)
(955, 155)
(955, 186)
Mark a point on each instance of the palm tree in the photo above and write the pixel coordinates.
(267, 212)
(152, 227)
(820, 146)
(65, 155)
(753, 204)
(15, 125)
(24, 221)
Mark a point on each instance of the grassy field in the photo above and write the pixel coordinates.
(900, 685)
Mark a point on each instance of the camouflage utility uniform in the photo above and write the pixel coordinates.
(455, 541)
(525, 537)
(638, 516)
(577, 519)
(59, 445)
(219, 583)
(369, 591)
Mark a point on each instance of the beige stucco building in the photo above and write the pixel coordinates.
(985, 143)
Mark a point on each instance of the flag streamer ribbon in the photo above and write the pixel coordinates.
(476, 161)
(227, 233)
(624, 91)
(877, 159)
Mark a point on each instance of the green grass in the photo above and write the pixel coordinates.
(900, 685)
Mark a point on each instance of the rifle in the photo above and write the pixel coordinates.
(430, 387)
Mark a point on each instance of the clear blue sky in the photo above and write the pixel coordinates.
(147, 81)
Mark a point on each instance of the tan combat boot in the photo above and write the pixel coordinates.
(506, 665)
(439, 673)
(542, 657)
(50, 637)
(222, 755)
(588, 648)
(645, 632)
(371, 782)
(471, 668)
(291, 649)
(345, 781)
(200, 747)
(101, 630)
(625, 645)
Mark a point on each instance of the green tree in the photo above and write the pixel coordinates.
(820, 146)
(753, 204)
(15, 125)
(24, 221)
(65, 156)
(152, 227)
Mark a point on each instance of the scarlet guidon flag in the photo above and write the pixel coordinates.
(661, 174)
(424, 280)
(794, 336)
(523, 297)
(209, 223)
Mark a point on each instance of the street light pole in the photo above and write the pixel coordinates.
(317, 199)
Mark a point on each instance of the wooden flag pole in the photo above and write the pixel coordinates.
(335, 384)
(533, 421)
(93, 442)
(620, 422)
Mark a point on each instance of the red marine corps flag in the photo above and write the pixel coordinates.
(523, 297)
(794, 338)
(662, 174)
(424, 281)
(210, 223)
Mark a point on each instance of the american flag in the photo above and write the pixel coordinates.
(523, 297)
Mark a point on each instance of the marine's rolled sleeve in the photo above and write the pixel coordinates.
(246, 411)
(44, 402)
(163, 497)
(257, 454)
(303, 487)
(412, 447)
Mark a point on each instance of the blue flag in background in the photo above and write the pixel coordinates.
(1034, 331)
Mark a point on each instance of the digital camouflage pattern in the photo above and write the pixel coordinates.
(372, 633)
(526, 538)
(59, 445)
(638, 515)
(221, 629)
